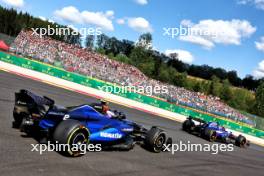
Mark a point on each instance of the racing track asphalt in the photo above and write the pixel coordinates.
(17, 158)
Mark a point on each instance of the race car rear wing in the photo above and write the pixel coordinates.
(25, 96)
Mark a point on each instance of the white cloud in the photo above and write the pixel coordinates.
(141, 2)
(51, 21)
(184, 56)
(73, 27)
(45, 19)
(70, 14)
(186, 22)
(199, 40)
(243, 2)
(73, 15)
(110, 14)
(42, 18)
(209, 32)
(139, 24)
(259, 4)
(259, 71)
(120, 21)
(260, 44)
(14, 3)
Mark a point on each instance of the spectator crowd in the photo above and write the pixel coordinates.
(76, 59)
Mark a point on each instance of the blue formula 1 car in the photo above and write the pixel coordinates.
(212, 131)
(35, 114)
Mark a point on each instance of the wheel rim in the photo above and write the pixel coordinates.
(159, 143)
(213, 137)
(243, 142)
(78, 139)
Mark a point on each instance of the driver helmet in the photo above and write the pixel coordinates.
(105, 106)
(104, 101)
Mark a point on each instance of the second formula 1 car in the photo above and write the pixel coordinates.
(82, 125)
(212, 131)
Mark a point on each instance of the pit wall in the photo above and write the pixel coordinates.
(90, 86)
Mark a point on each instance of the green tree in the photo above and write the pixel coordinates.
(205, 86)
(89, 42)
(100, 50)
(198, 86)
(123, 58)
(101, 41)
(242, 99)
(111, 56)
(215, 87)
(180, 79)
(226, 93)
(164, 74)
(145, 41)
(140, 55)
(260, 100)
(147, 68)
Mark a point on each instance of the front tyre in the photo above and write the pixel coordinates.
(155, 139)
(211, 135)
(240, 141)
(74, 135)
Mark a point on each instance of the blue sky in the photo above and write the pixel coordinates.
(237, 24)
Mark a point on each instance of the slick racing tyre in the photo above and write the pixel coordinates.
(240, 141)
(226, 140)
(188, 125)
(211, 135)
(155, 140)
(18, 118)
(74, 135)
(17, 121)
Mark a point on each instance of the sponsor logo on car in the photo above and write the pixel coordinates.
(111, 135)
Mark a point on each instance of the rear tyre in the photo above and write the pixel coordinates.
(16, 124)
(155, 139)
(74, 135)
(18, 118)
